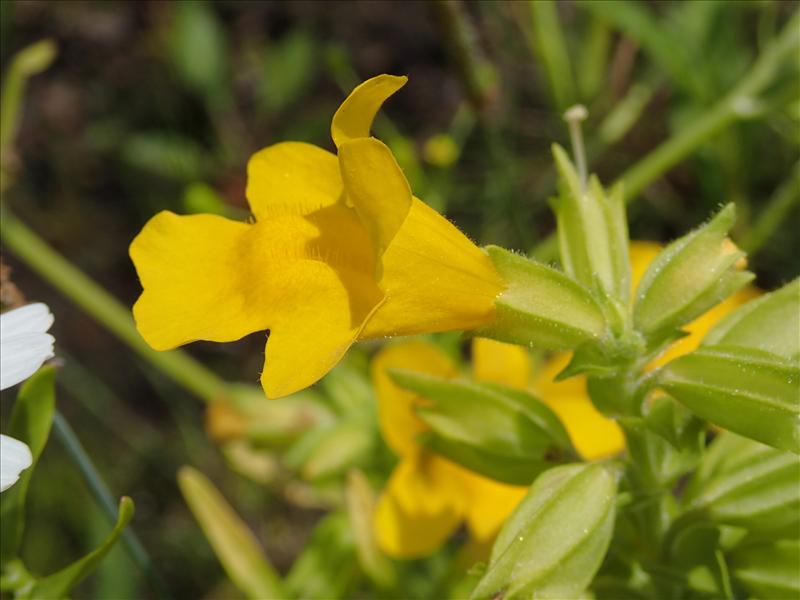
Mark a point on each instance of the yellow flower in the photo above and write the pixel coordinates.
(339, 250)
(427, 496)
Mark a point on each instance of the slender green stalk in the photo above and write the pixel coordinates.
(771, 218)
(103, 497)
(740, 103)
(27, 62)
(476, 73)
(104, 308)
(551, 50)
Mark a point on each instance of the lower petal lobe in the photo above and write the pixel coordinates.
(308, 279)
(421, 506)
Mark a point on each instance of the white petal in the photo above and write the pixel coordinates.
(31, 318)
(24, 345)
(15, 457)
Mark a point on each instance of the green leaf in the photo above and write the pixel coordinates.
(541, 306)
(690, 276)
(58, 585)
(328, 565)
(673, 422)
(344, 445)
(288, 69)
(197, 47)
(753, 393)
(30, 422)
(769, 570)
(164, 154)
(360, 501)
(28, 62)
(500, 432)
(744, 483)
(770, 323)
(695, 549)
(569, 511)
(200, 198)
(235, 546)
(664, 45)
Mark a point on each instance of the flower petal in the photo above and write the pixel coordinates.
(31, 318)
(24, 345)
(698, 328)
(498, 362)
(434, 278)
(489, 503)
(292, 178)
(593, 434)
(15, 457)
(376, 187)
(421, 506)
(398, 422)
(355, 115)
(189, 268)
(641, 255)
(307, 279)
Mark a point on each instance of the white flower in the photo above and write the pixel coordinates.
(15, 457)
(24, 346)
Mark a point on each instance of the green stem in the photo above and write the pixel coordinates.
(103, 497)
(740, 103)
(476, 73)
(774, 214)
(104, 308)
(551, 50)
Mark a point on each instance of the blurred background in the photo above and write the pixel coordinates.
(158, 105)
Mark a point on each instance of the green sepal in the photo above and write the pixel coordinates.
(541, 306)
(30, 422)
(690, 276)
(770, 323)
(500, 432)
(592, 233)
(58, 585)
(769, 570)
(750, 392)
(569, 510)
(744, 483)
(234, 544)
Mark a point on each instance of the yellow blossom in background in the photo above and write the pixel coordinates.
(427, 496)
(339, 250)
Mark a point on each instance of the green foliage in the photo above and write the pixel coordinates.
(751, 392)
(234, 545)
(197, 48)
(541, 306)
(741, 482)
(59, 584)
(501, 432)
(30, 422)
(592, 233)
(570, 511)
(690, 276)
(770, 323)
